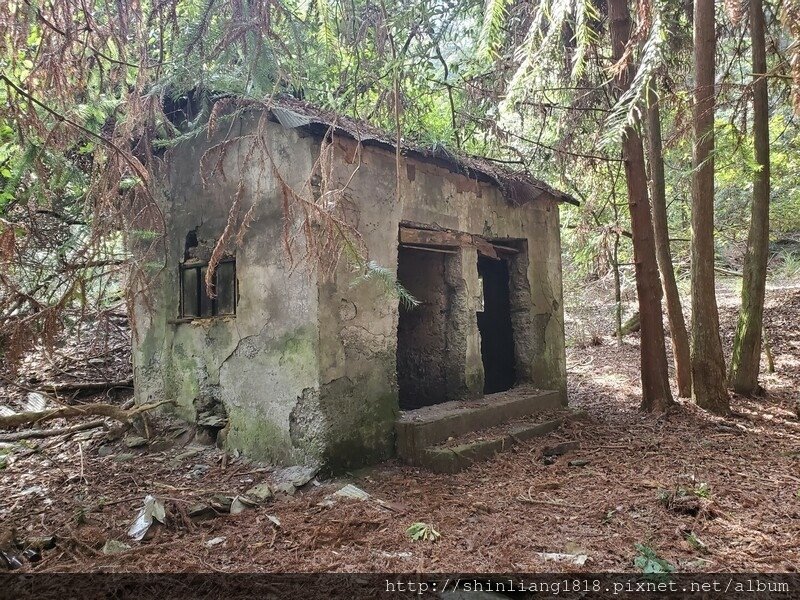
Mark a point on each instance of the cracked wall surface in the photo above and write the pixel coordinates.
(306, 369)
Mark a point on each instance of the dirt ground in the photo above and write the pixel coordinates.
(704, 493)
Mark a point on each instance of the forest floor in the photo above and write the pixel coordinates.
(704, 493)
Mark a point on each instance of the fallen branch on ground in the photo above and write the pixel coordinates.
(78, 386)
(30, 434)
(87, 410)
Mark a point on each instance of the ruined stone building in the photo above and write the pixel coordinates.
(307, 367)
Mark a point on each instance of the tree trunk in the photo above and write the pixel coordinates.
(708, 362)
(746, 359)
(617, 290)
(677, 325)
(656, 393)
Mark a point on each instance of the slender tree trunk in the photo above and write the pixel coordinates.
(746, 359)
(708, 362)
(617, 289)
(677, 325)
(656, 393)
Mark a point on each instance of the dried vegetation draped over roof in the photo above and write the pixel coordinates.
(518, 186)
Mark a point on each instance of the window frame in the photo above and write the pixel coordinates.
(198, 267)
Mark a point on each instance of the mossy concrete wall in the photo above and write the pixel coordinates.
(307, 367)
(261, 361)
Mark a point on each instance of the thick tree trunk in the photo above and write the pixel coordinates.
(677, 324)
(746, 359)
(656, 393)
(708, 362)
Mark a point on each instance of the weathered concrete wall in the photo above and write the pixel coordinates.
(261, 362)
(307, 369)
(435, 196)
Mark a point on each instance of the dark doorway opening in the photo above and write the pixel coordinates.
(494, 324)
(422, 329)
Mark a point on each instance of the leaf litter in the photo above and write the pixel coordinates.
(609, 510)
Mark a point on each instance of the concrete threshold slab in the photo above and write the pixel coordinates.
(420, 429)
(452, 459)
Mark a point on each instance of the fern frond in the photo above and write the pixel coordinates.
(490, 37)
(585, 35)
(627, 111)
(386, 278)
(549, 18)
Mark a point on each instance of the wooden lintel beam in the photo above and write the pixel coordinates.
(447, 239)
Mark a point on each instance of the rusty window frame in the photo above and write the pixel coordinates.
(199, 293)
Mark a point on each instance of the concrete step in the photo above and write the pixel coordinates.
(458, 455)
(423, 428)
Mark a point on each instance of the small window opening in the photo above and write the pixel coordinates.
(195, 301)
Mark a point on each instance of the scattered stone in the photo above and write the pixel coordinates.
(45, 542)
(115, 547)
(395, 554)
(353, 492)
(214, 542)
(579, 462)
(297, 476)
(198, 471)
(275, 520)
(560, 449)
(189, 453)
(221, 503)
(575, 559)
(160, 445)
(284, 488)
(201, 511)
(258, 494)
(135, 441)
(214, 421)
(178, 431)
(124, 457)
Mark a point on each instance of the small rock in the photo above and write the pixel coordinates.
(190, 452)
(298, 476)
(135, 441)
(259, 493)
(159, 445)
(177, 432)
(579, 462)
(214, 542)
(46, 542)
(275, 520)
(351, 491)
(115, 547)
(105, 450)
(214, 421)
(575, 559)
(201, 511)
(221, 503)
(124, 457)
(284, 488)
(560, 449)
(198, 471)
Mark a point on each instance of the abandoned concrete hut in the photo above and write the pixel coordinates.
(300, 366)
